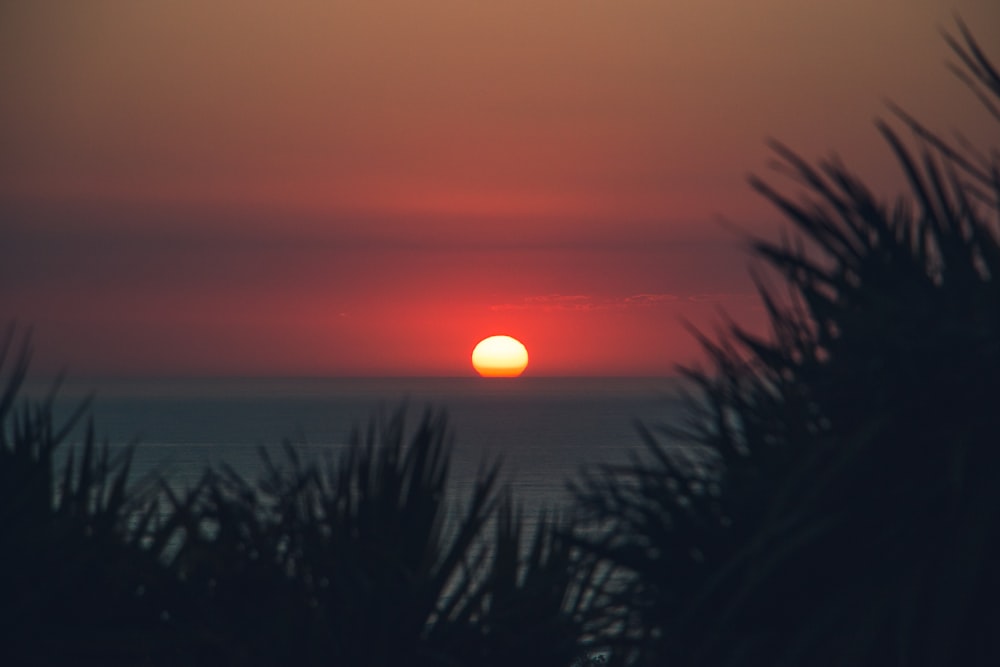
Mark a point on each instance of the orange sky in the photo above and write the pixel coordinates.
(369, 188)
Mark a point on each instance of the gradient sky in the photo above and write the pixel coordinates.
(369, 188)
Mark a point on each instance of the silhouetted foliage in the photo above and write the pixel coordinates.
(77, 584)
(358, 560)
(834, 498)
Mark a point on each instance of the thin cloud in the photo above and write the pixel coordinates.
(582, 302)
(716, 297)
(560, 300)
(550, 302)
(649, 299)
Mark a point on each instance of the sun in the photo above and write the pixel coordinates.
(499, 356)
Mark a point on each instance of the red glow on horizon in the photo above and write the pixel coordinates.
(363, 188)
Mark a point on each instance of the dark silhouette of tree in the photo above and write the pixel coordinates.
(77, 583)
(363, 561)
(834, 497)
(359, 560)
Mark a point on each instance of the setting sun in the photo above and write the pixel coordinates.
(500, 356)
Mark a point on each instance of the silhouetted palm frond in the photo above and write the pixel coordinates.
(78, 583)
(363, 559)
(856, 512)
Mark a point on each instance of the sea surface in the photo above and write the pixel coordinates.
(542, 430)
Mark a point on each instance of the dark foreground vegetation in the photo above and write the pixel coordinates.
(832, 499)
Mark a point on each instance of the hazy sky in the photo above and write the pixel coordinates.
(240, 187)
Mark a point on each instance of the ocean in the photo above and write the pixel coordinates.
(542, 430)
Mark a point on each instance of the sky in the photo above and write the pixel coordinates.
(369, 188)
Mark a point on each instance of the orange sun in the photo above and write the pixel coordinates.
(499, 356)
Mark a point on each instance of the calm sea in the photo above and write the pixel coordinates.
(542, 429)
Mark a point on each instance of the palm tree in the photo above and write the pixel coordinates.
(361, 560)
(833, 498)
(79, 584)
